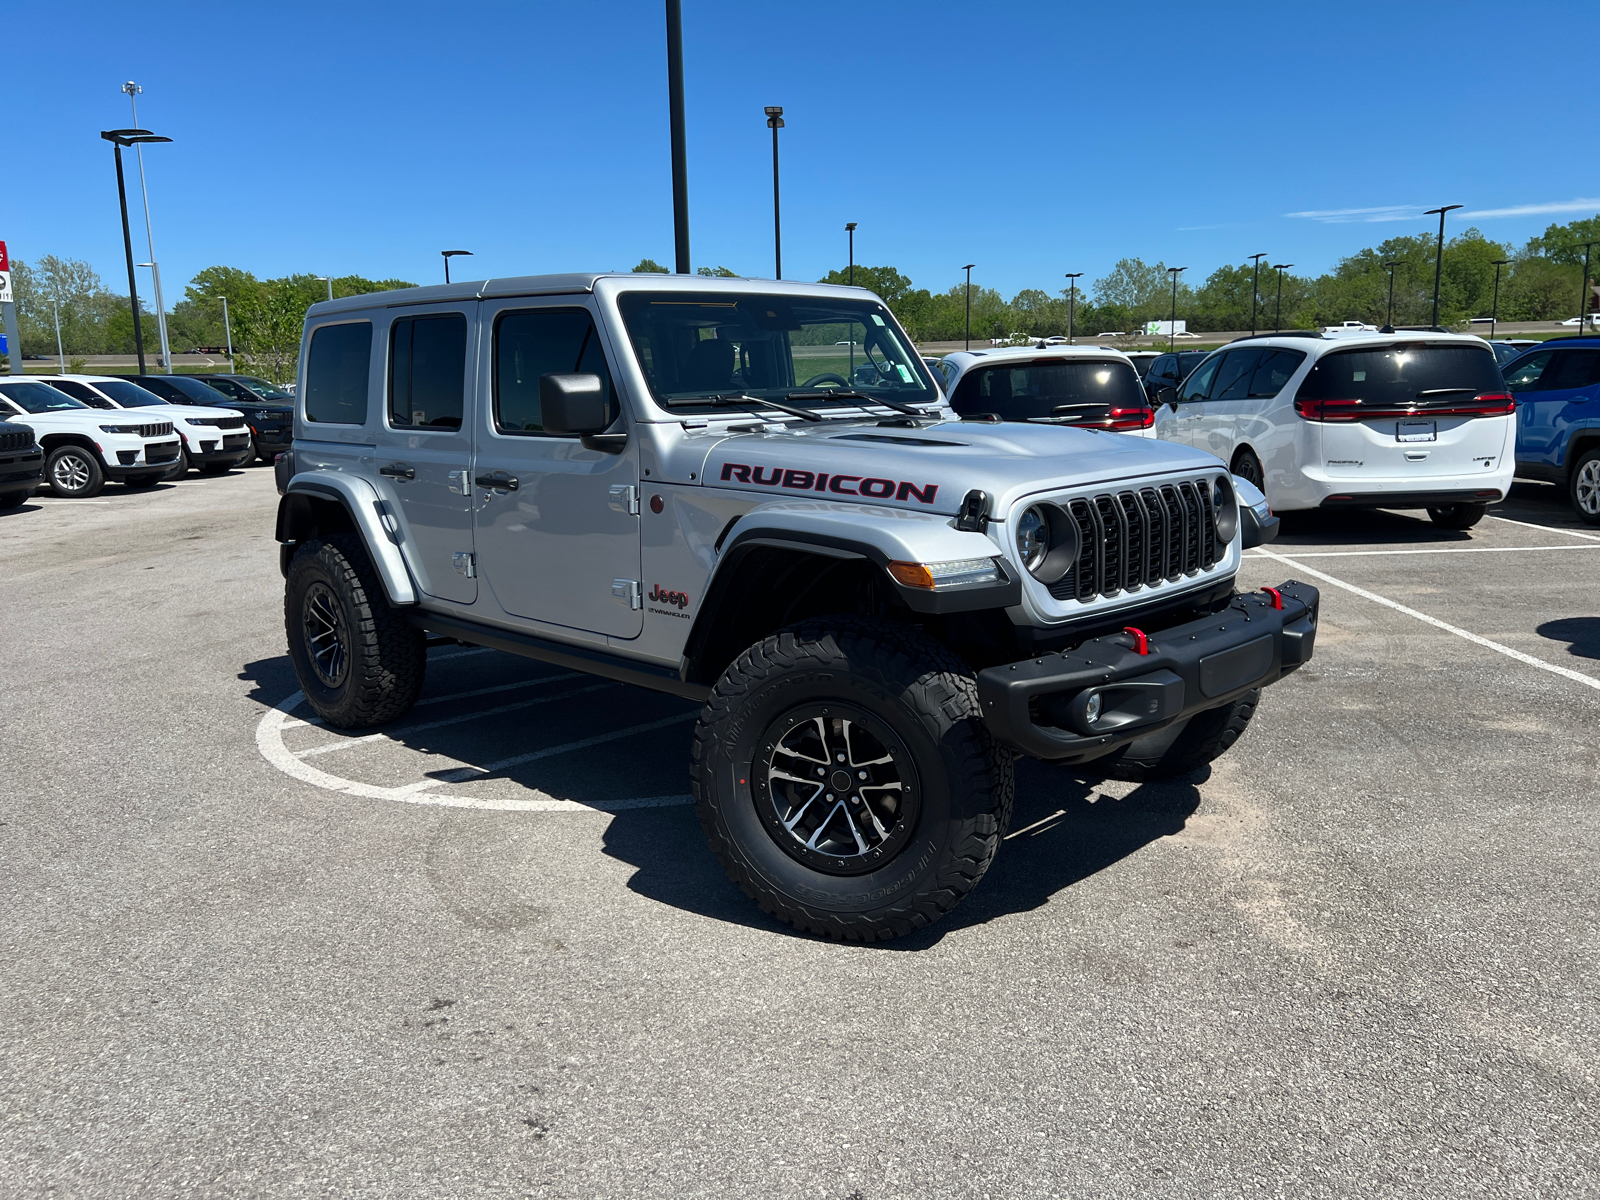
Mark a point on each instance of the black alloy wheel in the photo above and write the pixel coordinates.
(327, 634)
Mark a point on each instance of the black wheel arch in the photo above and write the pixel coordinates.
(51, 442)
(303, 516)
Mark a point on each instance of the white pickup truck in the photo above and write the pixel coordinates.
(1347, 327)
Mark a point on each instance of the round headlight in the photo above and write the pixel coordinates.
(1047, 541)
(1033, 538)
(1225, 508)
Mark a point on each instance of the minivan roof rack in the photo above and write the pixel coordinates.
(1305, 333)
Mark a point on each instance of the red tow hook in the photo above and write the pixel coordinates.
(1140, 642)
(1277, 597)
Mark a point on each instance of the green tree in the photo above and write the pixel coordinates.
(888, 283)
(714, 272)
(649, 266)
(1564, 243)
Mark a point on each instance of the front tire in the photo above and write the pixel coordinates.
(1584, 487)
(914, 794)
(358, 662)
(1248, 467)
(1457, 516)
(1206, 737)
(74, 473)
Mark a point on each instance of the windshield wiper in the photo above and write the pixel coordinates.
(890, 404)
(753, 403)
(1442, 391)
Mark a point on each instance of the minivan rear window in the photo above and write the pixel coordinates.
(1049, 388)
(1404, 374)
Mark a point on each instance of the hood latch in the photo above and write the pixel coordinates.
(974, 515)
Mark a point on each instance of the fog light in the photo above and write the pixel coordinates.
(1091, 710)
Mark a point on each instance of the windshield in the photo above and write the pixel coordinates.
(260, 387)
(1406, 374)
(1049, 389)
(129, 395)
(181, 390)
(694, 347)
(40, 397)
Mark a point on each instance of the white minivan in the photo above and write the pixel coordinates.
(1372, 420)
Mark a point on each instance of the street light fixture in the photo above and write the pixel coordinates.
(1389, 325)
(1438, 258)
(850, 228)
(118, 139)
(448, 255)
(327, 279)
(132, 90)
(1172, 325)
(1255, 289)
(1494, 313)
(1277, 320)
(775, 122)
(1072, 300)
(968, 270)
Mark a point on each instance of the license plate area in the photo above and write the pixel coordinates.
(1416, 431)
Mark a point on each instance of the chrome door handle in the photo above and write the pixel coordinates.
(397, 471)
(499, 482)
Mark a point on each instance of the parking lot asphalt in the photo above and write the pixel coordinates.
(486, 952)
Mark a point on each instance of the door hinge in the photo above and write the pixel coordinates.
(465, 563)
(629, 591)
(460, 483)
(625, 498)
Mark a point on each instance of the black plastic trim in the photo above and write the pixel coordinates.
(1413, 499)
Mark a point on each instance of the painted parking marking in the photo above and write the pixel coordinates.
(1530, 660)
(1577, 533)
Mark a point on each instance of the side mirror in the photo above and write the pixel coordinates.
(573, 404)
(1167, 395)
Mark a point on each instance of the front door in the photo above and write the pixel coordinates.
(426, 450)
(1553, 389)
(557, 524)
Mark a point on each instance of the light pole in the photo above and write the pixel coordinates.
(968, 270)
(133, 89)
(1172, 325)
(1072, 300)
(118, 139)
(1438, 258)
(448, 255)
(1494, 313)
(775, 123)
(680, 155)
(1277, 320)
(327, 279)
(850, 228)
(1583, 296)
(227, 329)
(61, 354)
(1255, 289)
(1391, 266)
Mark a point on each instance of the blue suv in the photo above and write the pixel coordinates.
(1557, 388)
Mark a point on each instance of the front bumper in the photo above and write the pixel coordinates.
(1040, 706)
(226, 447)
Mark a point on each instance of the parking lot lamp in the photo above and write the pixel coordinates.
(968, 270)
(327, 279)
(448, 255)
(1072, 300)
(1255, 289)
(1494, 313)
(1438, 256)
(1172, 325)
(227, 330)
(132, 90)
(118, 139)
(56, 309)
(775, 122)
(850, 228)
(1583, 296)
(1389, 324)
(1277, 320)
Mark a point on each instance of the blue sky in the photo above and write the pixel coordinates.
(1031, 139)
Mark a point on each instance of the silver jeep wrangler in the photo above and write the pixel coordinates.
(753, 494)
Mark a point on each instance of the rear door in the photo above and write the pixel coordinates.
(1560, 395)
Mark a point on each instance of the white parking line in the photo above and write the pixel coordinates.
(1565, 673)
(1594, 537)
(1443, 550)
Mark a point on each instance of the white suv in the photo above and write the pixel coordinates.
(1089, 387)
(214, 439)
(1366, 420)
(84, 447)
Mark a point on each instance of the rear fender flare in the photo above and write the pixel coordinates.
(369, 515)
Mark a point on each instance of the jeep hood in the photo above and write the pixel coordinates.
(930, 468)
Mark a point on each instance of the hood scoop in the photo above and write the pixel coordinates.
(893, 439)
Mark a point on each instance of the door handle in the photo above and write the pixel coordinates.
(499, 482)
(397, 471)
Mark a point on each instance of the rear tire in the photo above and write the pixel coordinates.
(1457, 516)
(1583, 487)
(1206, 737)
(873, 705)
(357, 660)
(74, 473)
(1248, 467)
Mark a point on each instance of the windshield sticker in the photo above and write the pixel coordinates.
(839, 485)
(877, 319)
(905, 371)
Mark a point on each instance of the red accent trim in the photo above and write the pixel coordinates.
(1277, 596)
(1141, 643)
(1487, 404)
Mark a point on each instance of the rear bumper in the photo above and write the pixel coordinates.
(1039, 707)
(1429, 499)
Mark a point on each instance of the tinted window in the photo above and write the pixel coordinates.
(41, 398)
(1273, 371)
(1188, 360)
(129, 395)
(1233, 376)
(337, 367)
(1528, 374)
(79, 392)
(263, 389)
(1064, 388)
(180, 389)
(548, 341)
(1403, 374)
(428, 370)
(229, 388)
(1571, 369)
(1196, 386)
(1165, 367)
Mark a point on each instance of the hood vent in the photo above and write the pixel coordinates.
(893, 440)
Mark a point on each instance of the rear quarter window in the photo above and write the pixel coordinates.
(338, 367)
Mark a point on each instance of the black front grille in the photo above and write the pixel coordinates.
(16, 441)
(230, 422)
(161, 452)
(237, 441)
(162, 429)
(15, 476)
(1137, 539)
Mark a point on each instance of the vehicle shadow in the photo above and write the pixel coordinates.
(1318, 527)
(1582, 635)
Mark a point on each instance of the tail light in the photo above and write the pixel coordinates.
(1129, 418)
(1485, 404)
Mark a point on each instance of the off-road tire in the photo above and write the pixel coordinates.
(386, 659)
(76, 464)
(1248, 467)
(1583, 487)
(923, 695)
(1457, 516)
(1207, 736)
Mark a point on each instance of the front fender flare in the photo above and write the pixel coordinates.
(369, 513)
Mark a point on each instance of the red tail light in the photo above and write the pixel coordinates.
(1485, 404)
(1130, 418)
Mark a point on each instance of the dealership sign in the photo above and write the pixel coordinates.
(5, 275)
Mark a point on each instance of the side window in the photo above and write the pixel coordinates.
(1165, 367)
(1198, 384)
(78, 392)
(337, 370)
(1528, 374)
(1233, 377)
(1570, 369)
(1273, 371)
(428, 371)
(544, 341)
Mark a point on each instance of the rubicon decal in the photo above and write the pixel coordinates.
(821, 481)
(659, 595)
